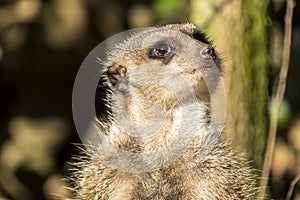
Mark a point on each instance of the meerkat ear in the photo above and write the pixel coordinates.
(115, 72)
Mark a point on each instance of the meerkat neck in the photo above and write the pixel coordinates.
(144, 110)
(157, 123)
(159, 140)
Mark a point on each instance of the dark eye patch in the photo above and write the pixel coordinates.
(198, 35)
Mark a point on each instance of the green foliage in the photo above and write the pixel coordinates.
(284, 115)
(168, 8)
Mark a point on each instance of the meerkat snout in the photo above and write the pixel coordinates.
(208, 53)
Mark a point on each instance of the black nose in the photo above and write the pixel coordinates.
(207, 53)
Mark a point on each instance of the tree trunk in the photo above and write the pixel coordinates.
(239, 31)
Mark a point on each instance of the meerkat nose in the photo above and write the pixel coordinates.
(207, 53)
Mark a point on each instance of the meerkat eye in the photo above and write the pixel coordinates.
(161, 50)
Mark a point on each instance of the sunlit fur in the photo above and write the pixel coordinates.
(154, 105)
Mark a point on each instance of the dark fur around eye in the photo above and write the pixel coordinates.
(198, 35)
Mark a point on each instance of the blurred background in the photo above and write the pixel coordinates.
(44, 42)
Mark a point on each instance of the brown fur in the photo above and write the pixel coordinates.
(200, 167)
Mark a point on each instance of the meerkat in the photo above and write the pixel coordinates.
(159, 141)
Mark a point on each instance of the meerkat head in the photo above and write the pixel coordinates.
(166, 64)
